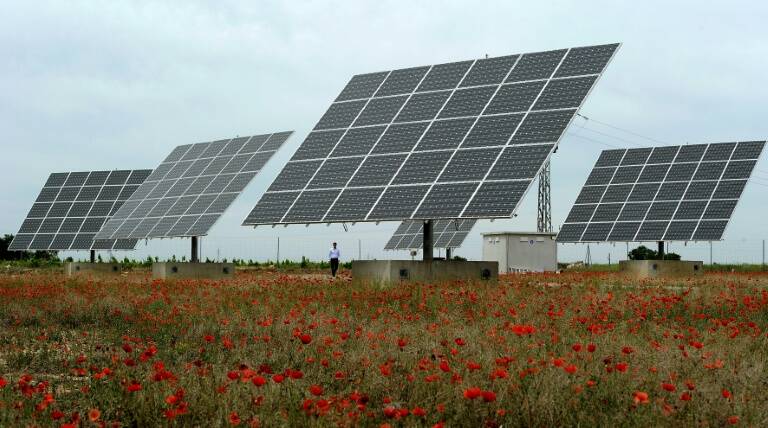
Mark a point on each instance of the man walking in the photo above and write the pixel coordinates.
(334, 255)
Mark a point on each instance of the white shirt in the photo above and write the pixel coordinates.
(334, 253)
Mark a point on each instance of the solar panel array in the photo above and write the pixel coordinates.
(457, 140)
(192, 188)
(446, 234)
(72, 207)
(672, 193)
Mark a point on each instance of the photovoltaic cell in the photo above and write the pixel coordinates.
(196, 183)
(512, 109)
(447, 233)
(72, 207)
(683, 193)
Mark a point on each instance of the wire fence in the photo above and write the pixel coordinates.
(369, 246)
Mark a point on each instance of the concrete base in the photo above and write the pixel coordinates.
(77, 268)
(184, 270)
(661, 268)
(417, 270)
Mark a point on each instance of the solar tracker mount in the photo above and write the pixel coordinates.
(461, 140)
(191, 188)
(663, 193)
(73, 206)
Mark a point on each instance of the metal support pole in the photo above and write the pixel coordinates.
(544, 213)
(448, 253)
(428, 246)
(277, 263)
(661, 250)
(710, 253)
(93, 256)
(194, 258)
(359, 249)
(763, 263)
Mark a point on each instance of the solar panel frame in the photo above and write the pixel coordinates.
(530, 127)
(447, 233)
(70, 218)
(677, 204)
(192, 188)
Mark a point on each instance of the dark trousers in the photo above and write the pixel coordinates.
(334, 266)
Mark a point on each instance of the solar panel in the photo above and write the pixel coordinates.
(457, 140)
(446, 234)
(192, 188)
(72, 207)
(672, 193)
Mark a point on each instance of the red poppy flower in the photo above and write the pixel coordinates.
(576, 347)
(472, 393)
(640, 397)
(234, 419)
(685, 396)
(668, 387)
(460, 342)
(305, 338)
(622, 367)
(258, 380)
(726, 394)
(316, 390)
(94, 415)
(278, 378)
(418, 411)
(591, 347)
(627, 350)
(489, 396)
(134, 386)
(570, 368)
(733, 420)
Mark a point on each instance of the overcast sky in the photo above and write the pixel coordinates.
(116, 85)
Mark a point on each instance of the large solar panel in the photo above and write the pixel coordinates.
(457, 140)
(192, 188)
(73, 206)
(446, 234)
(671, 193)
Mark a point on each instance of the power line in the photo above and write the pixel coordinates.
(573, 134)
(636, 134)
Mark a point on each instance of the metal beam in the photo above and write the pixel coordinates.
(544, 213)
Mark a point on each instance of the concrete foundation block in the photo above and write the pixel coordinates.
(184, 270)
(661, 268)
(388, 271)
(78, 268)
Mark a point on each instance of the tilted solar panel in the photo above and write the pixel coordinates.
(672, 193)
(446, 234)
(73, 206)
(457, 140)
(192, 188)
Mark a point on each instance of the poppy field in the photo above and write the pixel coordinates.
(276, 349)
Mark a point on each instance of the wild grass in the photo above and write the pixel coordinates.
(272, 349)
